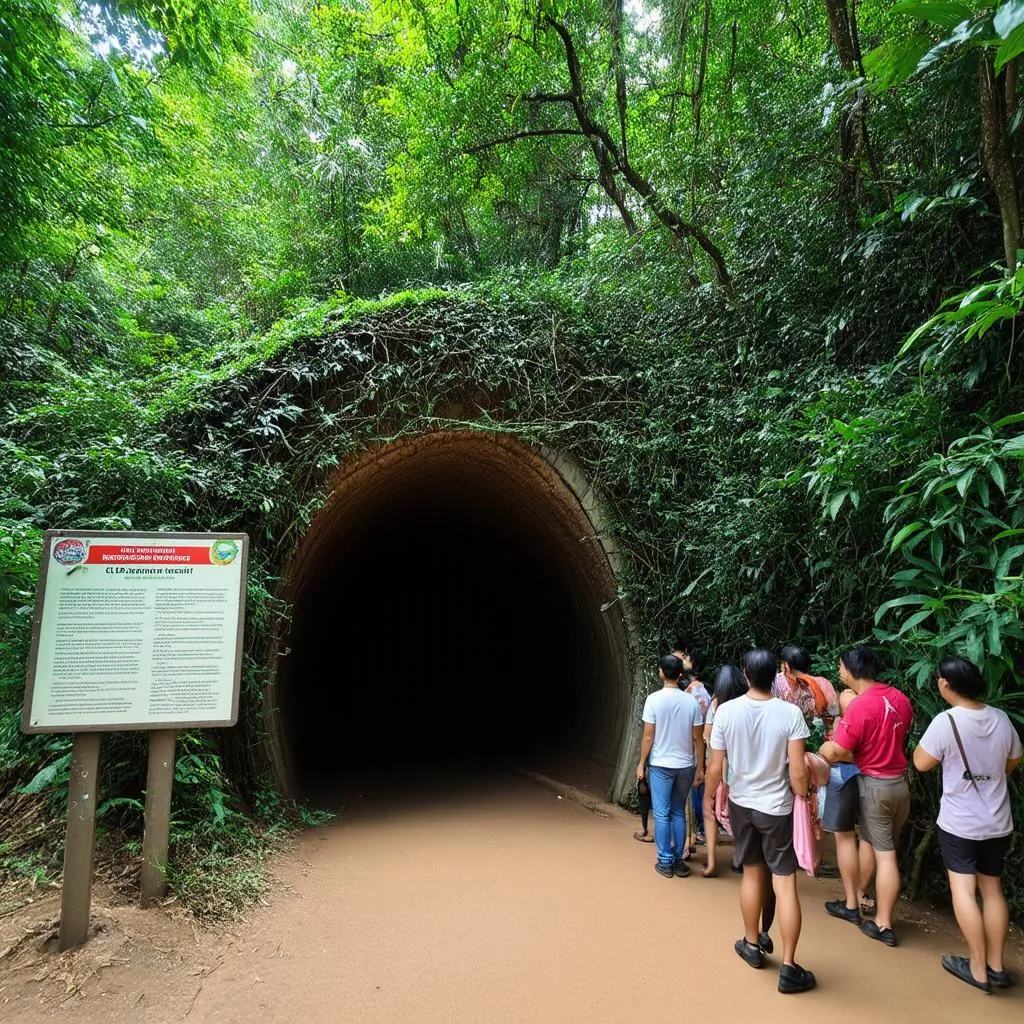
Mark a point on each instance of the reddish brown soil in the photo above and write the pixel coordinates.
(509, 904)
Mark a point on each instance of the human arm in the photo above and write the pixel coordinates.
(700, 752)
(846, 736)
(716, 771)
(833, 752)
(709, 719)
(799, 780)
(645, 749)
(931, 749)
(1016, 753)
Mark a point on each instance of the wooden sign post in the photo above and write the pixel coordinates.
(157, 835)
(132, 631)
(80, 842)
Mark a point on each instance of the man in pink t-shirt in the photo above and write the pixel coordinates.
(872, 734)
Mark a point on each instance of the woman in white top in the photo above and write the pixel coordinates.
(977, 747)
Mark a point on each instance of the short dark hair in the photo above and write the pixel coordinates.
(860, 662)
(963, 676)
(729, 684)
(795, 657)
(761, 668)
(671, 666)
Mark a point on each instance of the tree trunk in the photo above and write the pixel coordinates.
(854, 142)
(998, 156)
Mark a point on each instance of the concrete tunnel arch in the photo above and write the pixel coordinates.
(454, 600)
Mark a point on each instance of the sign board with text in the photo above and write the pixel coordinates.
(136, 631)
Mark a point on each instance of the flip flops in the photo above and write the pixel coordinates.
(960, 967)
(643, 837)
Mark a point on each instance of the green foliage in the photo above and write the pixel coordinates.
(203, 201)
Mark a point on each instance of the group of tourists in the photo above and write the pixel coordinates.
(738, 752)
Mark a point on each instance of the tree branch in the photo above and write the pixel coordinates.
(548, 97)
(611, 161)
(533, 133)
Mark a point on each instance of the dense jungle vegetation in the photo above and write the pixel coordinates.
(755, 264)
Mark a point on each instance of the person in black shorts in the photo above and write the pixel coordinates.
(763, 738)
(977, 747)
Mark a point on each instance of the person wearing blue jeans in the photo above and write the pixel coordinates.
(670, 788)
(672, 758)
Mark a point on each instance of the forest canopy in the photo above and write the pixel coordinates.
(785, 236)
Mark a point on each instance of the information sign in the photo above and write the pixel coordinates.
(136, 631)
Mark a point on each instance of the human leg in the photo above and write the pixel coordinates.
(996, 918)
(697, 801)
(842, 800)
(662, 782)
(748, 853)
(752, 889)
(990, 861)
(866, 858)
(711, 839)
(770, 902)
(884, 807)
(643, 799)
(887, 886)
(680, 796)
(963, 889)
(790, 917)
(849, 867)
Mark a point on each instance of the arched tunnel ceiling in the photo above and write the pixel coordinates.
(451, 605)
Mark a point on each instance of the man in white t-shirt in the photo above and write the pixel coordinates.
(763, 739)
(673, 741)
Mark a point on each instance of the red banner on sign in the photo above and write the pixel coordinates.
(127, 554)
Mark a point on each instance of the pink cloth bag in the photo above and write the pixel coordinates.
(803, 834)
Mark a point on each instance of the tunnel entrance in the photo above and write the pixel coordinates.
(453, 607)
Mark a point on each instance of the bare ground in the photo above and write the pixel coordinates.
(503, 903)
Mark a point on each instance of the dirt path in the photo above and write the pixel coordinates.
(507, 905)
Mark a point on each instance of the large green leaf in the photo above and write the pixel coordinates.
(914, 620)
(895, 61)
(908, 531)
(49, 776)
(1009, 17)
(1012, 46)
(945, 13)
(899, 602)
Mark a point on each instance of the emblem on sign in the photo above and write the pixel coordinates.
(69, 552)
(223, 552)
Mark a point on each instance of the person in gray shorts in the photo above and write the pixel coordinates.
(872, 734)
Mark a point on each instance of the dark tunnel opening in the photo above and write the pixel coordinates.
(452, 611)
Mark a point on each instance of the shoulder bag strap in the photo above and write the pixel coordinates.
(960, 747)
